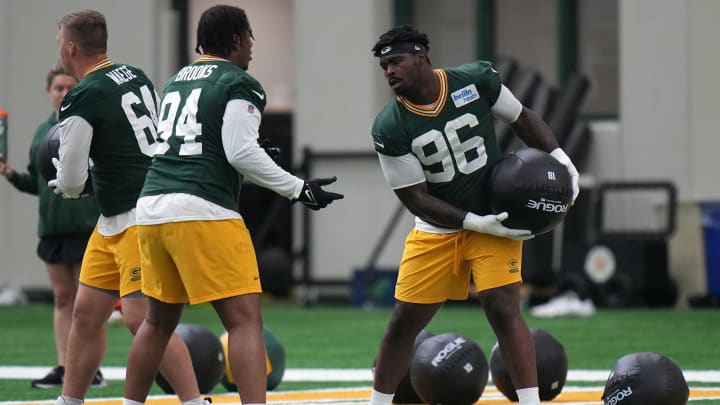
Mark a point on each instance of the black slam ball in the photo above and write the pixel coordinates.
(405, 393)
(533, 188)
(48, 149)
(449, 369)
(645, 378)
(206, 354)
(551, 363)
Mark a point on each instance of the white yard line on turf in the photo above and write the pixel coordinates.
(333, 375)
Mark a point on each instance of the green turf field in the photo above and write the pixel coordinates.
(344, 337)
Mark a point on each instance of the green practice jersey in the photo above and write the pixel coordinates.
(453, 138)
(119, 102)
(190, 157)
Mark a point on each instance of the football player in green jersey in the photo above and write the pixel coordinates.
(110, 117)
(435, 141)
(190, 230)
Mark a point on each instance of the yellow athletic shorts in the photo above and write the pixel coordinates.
(112, 262)
(198, 261)
(437, 267)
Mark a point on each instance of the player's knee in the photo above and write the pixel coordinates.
(163, 316)
(64, 301)
(87, 320)
(403, 331)
(133, 319)
(132, 323)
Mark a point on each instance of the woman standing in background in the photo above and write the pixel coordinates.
(64, 227)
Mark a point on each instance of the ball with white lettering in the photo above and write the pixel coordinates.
(449, 369)
(645, 378)
(533, 188)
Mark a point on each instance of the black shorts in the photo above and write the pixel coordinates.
(63, 249)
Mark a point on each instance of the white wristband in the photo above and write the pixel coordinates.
(470, 218)
(560, 156)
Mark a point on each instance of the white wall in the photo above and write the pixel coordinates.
(704, 87)
(669, 93)
(339, 90)
(668, 97)
(654, 93)
(339, 86)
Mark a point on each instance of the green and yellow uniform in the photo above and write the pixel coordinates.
(454, 142)
(192, 189)
(119, 103)
(453, 138)
(190, 157)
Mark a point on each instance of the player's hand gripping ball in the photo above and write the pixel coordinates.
(533, 188)
(49, 151)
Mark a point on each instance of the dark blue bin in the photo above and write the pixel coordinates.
(711, 229)
(379, 292)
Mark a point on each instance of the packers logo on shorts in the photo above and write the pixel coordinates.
(135, 274)
(513, 266)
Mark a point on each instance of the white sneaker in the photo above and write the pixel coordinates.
(566, 304)
(11, 296)
(115, 318)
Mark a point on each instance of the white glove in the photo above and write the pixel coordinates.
(492, 224)
(564, 160)
(55, 186)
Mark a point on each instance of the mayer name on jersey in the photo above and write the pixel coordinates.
(190, 157)
(120, 103)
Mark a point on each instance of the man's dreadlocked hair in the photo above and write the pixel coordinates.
(216, 28)
(402, 33)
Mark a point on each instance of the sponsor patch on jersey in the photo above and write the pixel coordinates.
(466, 95)
(251, 109)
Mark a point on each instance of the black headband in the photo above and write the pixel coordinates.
(399, 47)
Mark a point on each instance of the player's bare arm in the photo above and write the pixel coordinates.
(531, 128)
(430, 208)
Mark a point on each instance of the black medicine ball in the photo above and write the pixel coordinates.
(405, 393)
(47, 150)
(551, 363)
(645, 378)
(206, 354)
(449, 369)
(533, 188)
